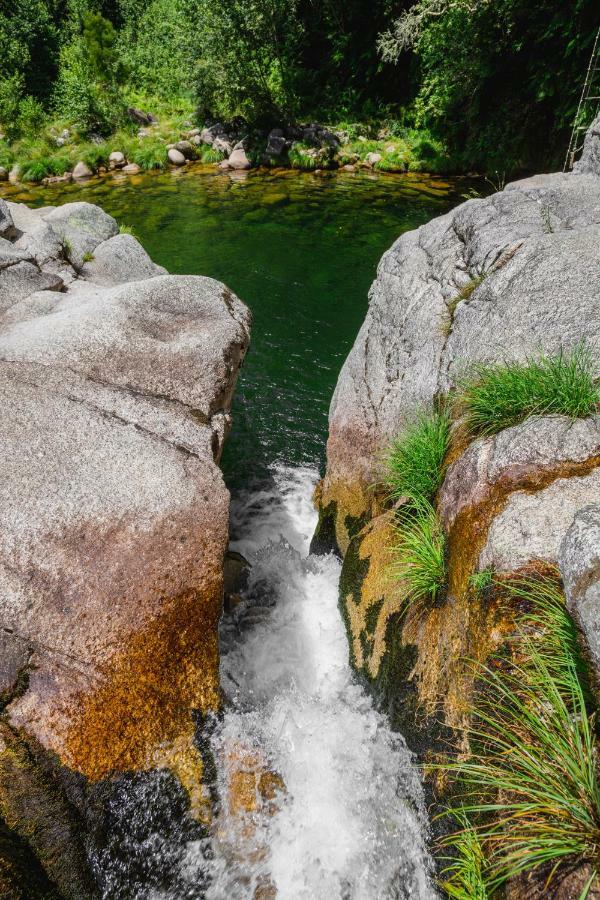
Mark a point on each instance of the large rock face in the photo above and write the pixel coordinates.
(116, 382)
(530, 255)
(498, 279)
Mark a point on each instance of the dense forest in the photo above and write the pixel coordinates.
(497, 81)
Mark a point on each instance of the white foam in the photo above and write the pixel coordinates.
(352, 823)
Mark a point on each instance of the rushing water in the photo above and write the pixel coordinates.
(317, 797)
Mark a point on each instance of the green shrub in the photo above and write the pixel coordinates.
(532, 779)
(493, 397)
(419, 555)
(150, 155)
(414, 462)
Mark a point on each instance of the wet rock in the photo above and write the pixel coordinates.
(175, 157)
(579, 561)
(132, 169)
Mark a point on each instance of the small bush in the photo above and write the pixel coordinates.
(419, 555)
(150, 155)
(494, 397)
(414, 462)
(532, 779)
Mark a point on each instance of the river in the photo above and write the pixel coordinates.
(318, 798)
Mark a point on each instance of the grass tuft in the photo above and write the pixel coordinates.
(150, 155)
(464, 878)
(210, 155)
(127, 229)
(494, 397)
(414, 462)
(482, 581)
(36, 168)
(419, 555)
(532, 779)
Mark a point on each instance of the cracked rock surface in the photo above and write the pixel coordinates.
(531, 255)
(115, 382)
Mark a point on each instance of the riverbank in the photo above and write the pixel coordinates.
(60, 152)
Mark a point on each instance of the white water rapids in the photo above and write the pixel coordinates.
(351, 822)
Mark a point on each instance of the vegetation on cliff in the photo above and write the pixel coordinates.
(530, 785)
(486, 85)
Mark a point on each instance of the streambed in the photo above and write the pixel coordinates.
(343, 813)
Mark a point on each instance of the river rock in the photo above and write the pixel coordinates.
(3, 174)
(81, 227)
(114, 521)
(139, 116)
(116, 160)
(186, 148)
(276, 143)
(373, 158)
(119, 259)
(238, 158)
(176, 157)
(81, 171)
(579, 560)
(223, 145)
(131, 169)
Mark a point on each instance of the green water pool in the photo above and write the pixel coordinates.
(300, 249)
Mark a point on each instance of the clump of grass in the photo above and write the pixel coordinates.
(532, 778)
(494, 397)
(150, 155)
(36, 168)
(464, 878)
(127, 229)
(414, 462)
(87, 256)
(94, 155)
(299, 157)
(419, 554)
(210, 155)
(7, 156)
(482, 581)
(396, 160)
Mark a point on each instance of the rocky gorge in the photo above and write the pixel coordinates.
(117, 779)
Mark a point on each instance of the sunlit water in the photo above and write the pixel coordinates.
(341, 815)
